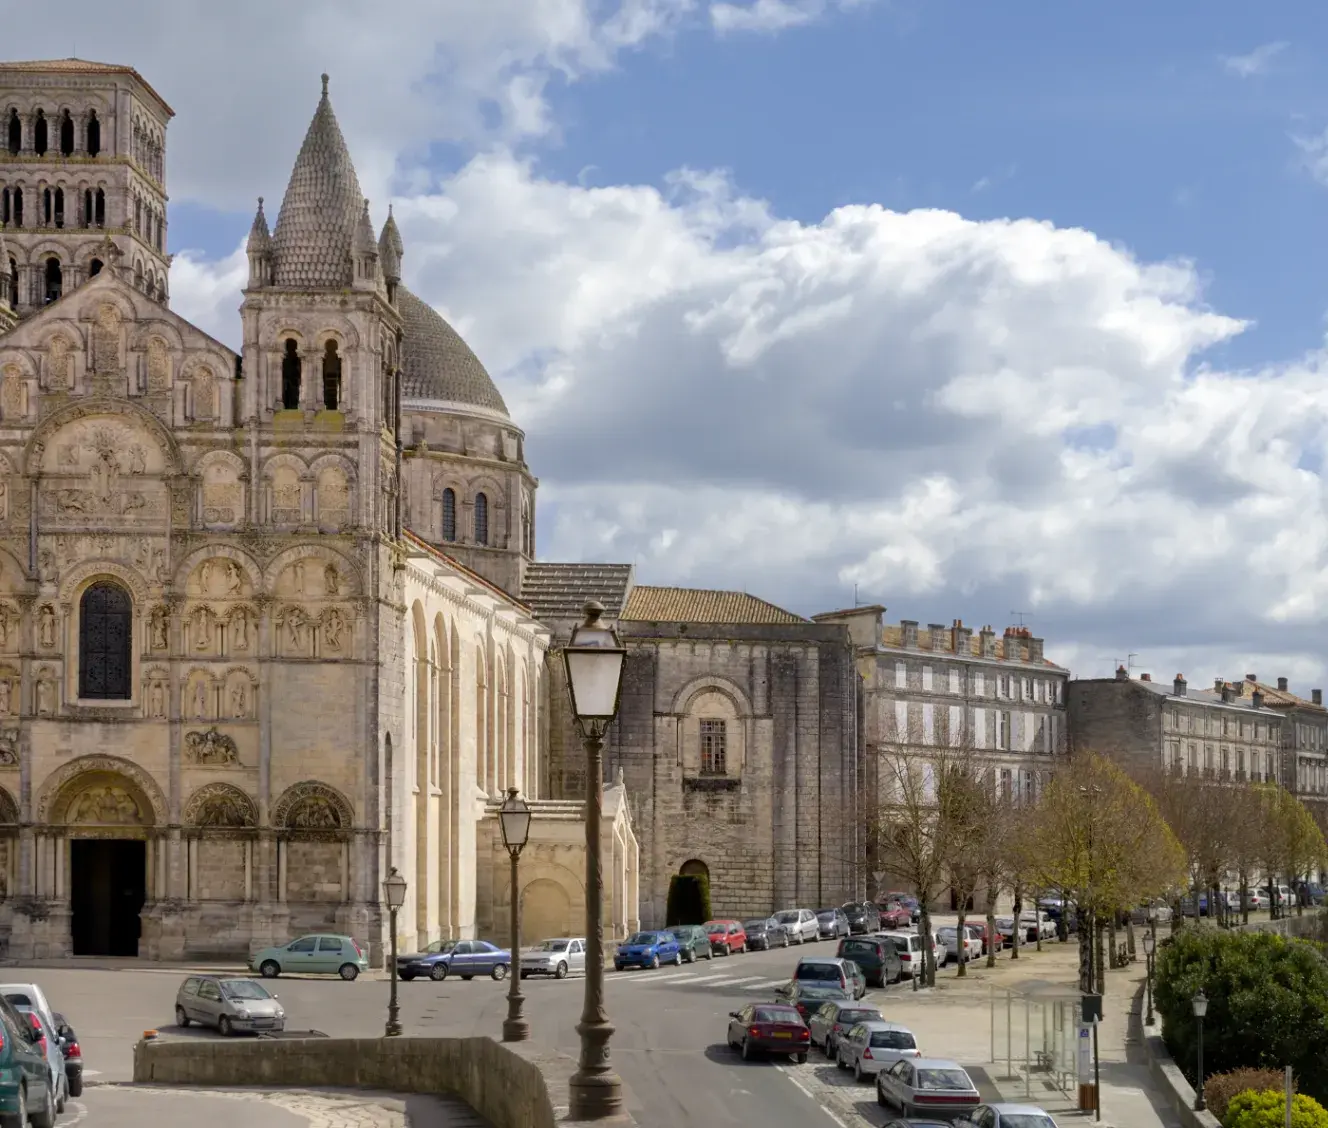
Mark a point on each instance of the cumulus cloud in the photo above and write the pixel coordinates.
(773, 15)
(1255, 62)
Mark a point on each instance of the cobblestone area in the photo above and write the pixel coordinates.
(348, 1109)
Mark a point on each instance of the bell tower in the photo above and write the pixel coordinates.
(82, 164)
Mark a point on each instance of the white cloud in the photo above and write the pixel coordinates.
(1313, 153)
(1255, 62)
(773, 15)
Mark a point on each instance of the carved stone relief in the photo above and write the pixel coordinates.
(205, 394)
(223, 495)
(312, 806)
(46, 693)
(106, 342)
(295, 632)
(8, 693)
(8, 749)
(59, 364)
(201, 628)
(240, 630)
(198, 702)
(240, 698)
(287, 496)
(150, 559)
(9, 627)
(107, 804)
(159, 365)
(333, 499)
(210, 748)
(157, 699)
(13, 393)
(158, 629)
(46, 626)
(220, 805)
(99, 469)
(334, 631)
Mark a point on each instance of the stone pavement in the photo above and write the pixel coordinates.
(109, 1105)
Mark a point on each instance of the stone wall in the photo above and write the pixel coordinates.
(1116, 719)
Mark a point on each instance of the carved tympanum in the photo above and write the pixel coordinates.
(220, 805)
(210, 748)
(108, 804)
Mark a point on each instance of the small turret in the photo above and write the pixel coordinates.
(390, 250)
(8, 288)
(364, 252)
(259, 249)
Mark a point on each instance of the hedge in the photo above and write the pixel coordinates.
(1267, 1003)
(689, 899)
(1268, 1110)
(1219, 1088)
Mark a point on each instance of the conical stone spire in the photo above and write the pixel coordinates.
(316, 228)
(364, 236)
(260, 242)
(390, 249)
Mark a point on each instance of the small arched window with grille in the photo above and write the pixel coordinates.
(99, 208)
(94, 134)
(40, 135)
(105, 638)
(449, 514)
(481, 518)
(66, 135)
(14, 133)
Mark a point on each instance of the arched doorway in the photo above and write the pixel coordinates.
(546, 911)
(695, 868)
(106, 819)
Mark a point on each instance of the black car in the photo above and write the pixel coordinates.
(876, 955)
(762, 935)
(864, 918)
(73, 1054)
(831, 924)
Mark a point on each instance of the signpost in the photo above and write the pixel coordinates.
(1089, 1063)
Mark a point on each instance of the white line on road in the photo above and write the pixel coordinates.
(808, 1094)
(764, 983)
(707, 979)
(749, 979)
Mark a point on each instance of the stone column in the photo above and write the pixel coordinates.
(29, 122)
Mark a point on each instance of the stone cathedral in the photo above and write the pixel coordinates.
(271, 623)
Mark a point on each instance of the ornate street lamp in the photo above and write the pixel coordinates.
(1150, 942)
(1200, 1005)
(594, 660)
(394, 893)
(514, 819)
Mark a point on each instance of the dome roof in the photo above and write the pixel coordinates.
(436, 364)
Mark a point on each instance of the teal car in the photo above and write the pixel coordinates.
(694, 942)
(317, 954)
(25, 1085)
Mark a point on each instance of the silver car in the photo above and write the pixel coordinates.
(800, 924)
(230, 1004)
(557, 957)
(922, 1086)
(832, 1020)
(1008, 1116)
(55, 1056)
(870, 1047)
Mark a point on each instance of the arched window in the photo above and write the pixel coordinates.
(94, 268)
(331, 376)
(18, 207)
(138, 276)
(105, 635)
(40, 140)
(481, 519)
(13, 284)
(290, 376)
(87, 207)
(55, 282)
(4, 206)
(66, 135)
(449, 514)
(59, 207)
(99, 209)
(46, 206)
(15, 133)
(94, 134)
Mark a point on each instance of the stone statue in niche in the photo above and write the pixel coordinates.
(138, 463)
(46, 625)
(202, 628)
(239, 700)
(159, 366)
(13, 395)
(200, 701)
(157, 629)
(5, 624)
(45, 696)
(205, 577)
(331, 580)
(4, 500)
(104, 805)
(210, 748)
(234, 578)
(240, 629)
(295, 630)
(8, 749)
(297, 577)
(6, 693)
(332, 628)
(157, 700)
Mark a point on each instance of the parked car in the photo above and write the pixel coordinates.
(863, 917)
(912, 951)
(1037, 924)
(832, 969)
(465, 958)
(909, 902)
(895, 916)
(877, 956)
(1255, 898)
(768, 1028)
(1007, 1116)
(764, 934)
(648, 949)
(995, 940)
(31, 996)
(808, 995)
(26, 1096)
(831, 924)
(1006, 930)
(559, 957)
(830, 1020)
(726, 936)
(870, 1047)
(73, 1054)
(694, 941)
(231, 1004)
(43, 1035)
(919, 1086)
(800, 924)
(318, 954)
(960, 949)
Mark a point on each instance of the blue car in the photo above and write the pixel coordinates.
(648, 949)
(466, 958)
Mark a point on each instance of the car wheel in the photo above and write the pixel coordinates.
(710, 953)
(727, 950)
(181, 1019)
(677, 959)
(499, 972)
(438, 972)
(61, 1095)
(561, 971)
(839, 1061)
(858, 1075)
(654, 963)
(45, 1118)
(690, 957)
(746, 1050)
(76, 1085)
(348, 972)
(224, 1027)
(20, 1118)
(405, 976)
(799, 1059)
(269, 969)
(783, 940)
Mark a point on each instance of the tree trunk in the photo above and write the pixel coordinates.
(928, 954)
(959, 936)
(991, 925)
(1244, 897)
(1099, 955)
(1015, 935)
(1129, 936)
(1085, 950)
(1111, 937)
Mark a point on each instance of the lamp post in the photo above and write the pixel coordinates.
(514, 819)
(593, 660)
(394, 893)
(1200, 1004)
(1150, 942)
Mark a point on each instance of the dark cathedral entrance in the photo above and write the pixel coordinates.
(108, 885)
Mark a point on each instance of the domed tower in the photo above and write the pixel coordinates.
(466, 483)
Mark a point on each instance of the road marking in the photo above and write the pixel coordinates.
(764, 983)
(708, 979)
(808, 1094)
(749, 979)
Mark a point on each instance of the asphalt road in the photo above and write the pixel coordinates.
(110, 1107)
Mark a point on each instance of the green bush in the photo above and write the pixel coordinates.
(1268, 1110)
(1219, 1088)
(1267, 1003)
(689, 899)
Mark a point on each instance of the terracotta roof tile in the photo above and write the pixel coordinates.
(560, 591)
(80, 66)
(698, 605)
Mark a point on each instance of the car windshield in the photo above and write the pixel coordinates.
(860, 946)
(1026, 1120)
(851, 1017)
(893, 1040)
(439, 946)
(943, 1079)
(900, 943)
(821, 991)
(642, 938)
(825, 912)
(553, 946)
(244, 989)
(777, 1014)
(818, 973)
(756, 925)
(946, 932)
(787, 917)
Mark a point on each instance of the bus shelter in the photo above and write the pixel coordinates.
(1034, 1035)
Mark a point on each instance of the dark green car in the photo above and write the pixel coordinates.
(25, 1087)
(694, 941)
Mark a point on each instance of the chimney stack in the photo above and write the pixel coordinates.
(1178, 686)
(1251, 677)
(1122, 674)
(937, 631)
(988, 639)
(1219, 684)
(1035, 650)
(908, 629)
(1146, 677)
(1316, 696)
(963, 638)
(1226, 693)
(1257, 699)
(1282, 684)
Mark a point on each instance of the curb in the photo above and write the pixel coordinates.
(1166, 1072)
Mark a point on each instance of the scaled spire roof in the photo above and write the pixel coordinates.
(320, 213)
(260, 241)
(390, 248)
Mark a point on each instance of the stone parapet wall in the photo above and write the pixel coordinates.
(510, 1086)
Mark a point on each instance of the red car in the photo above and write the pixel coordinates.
(979, 929)
(769, 1028)
(895, 916)
(726, 936)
